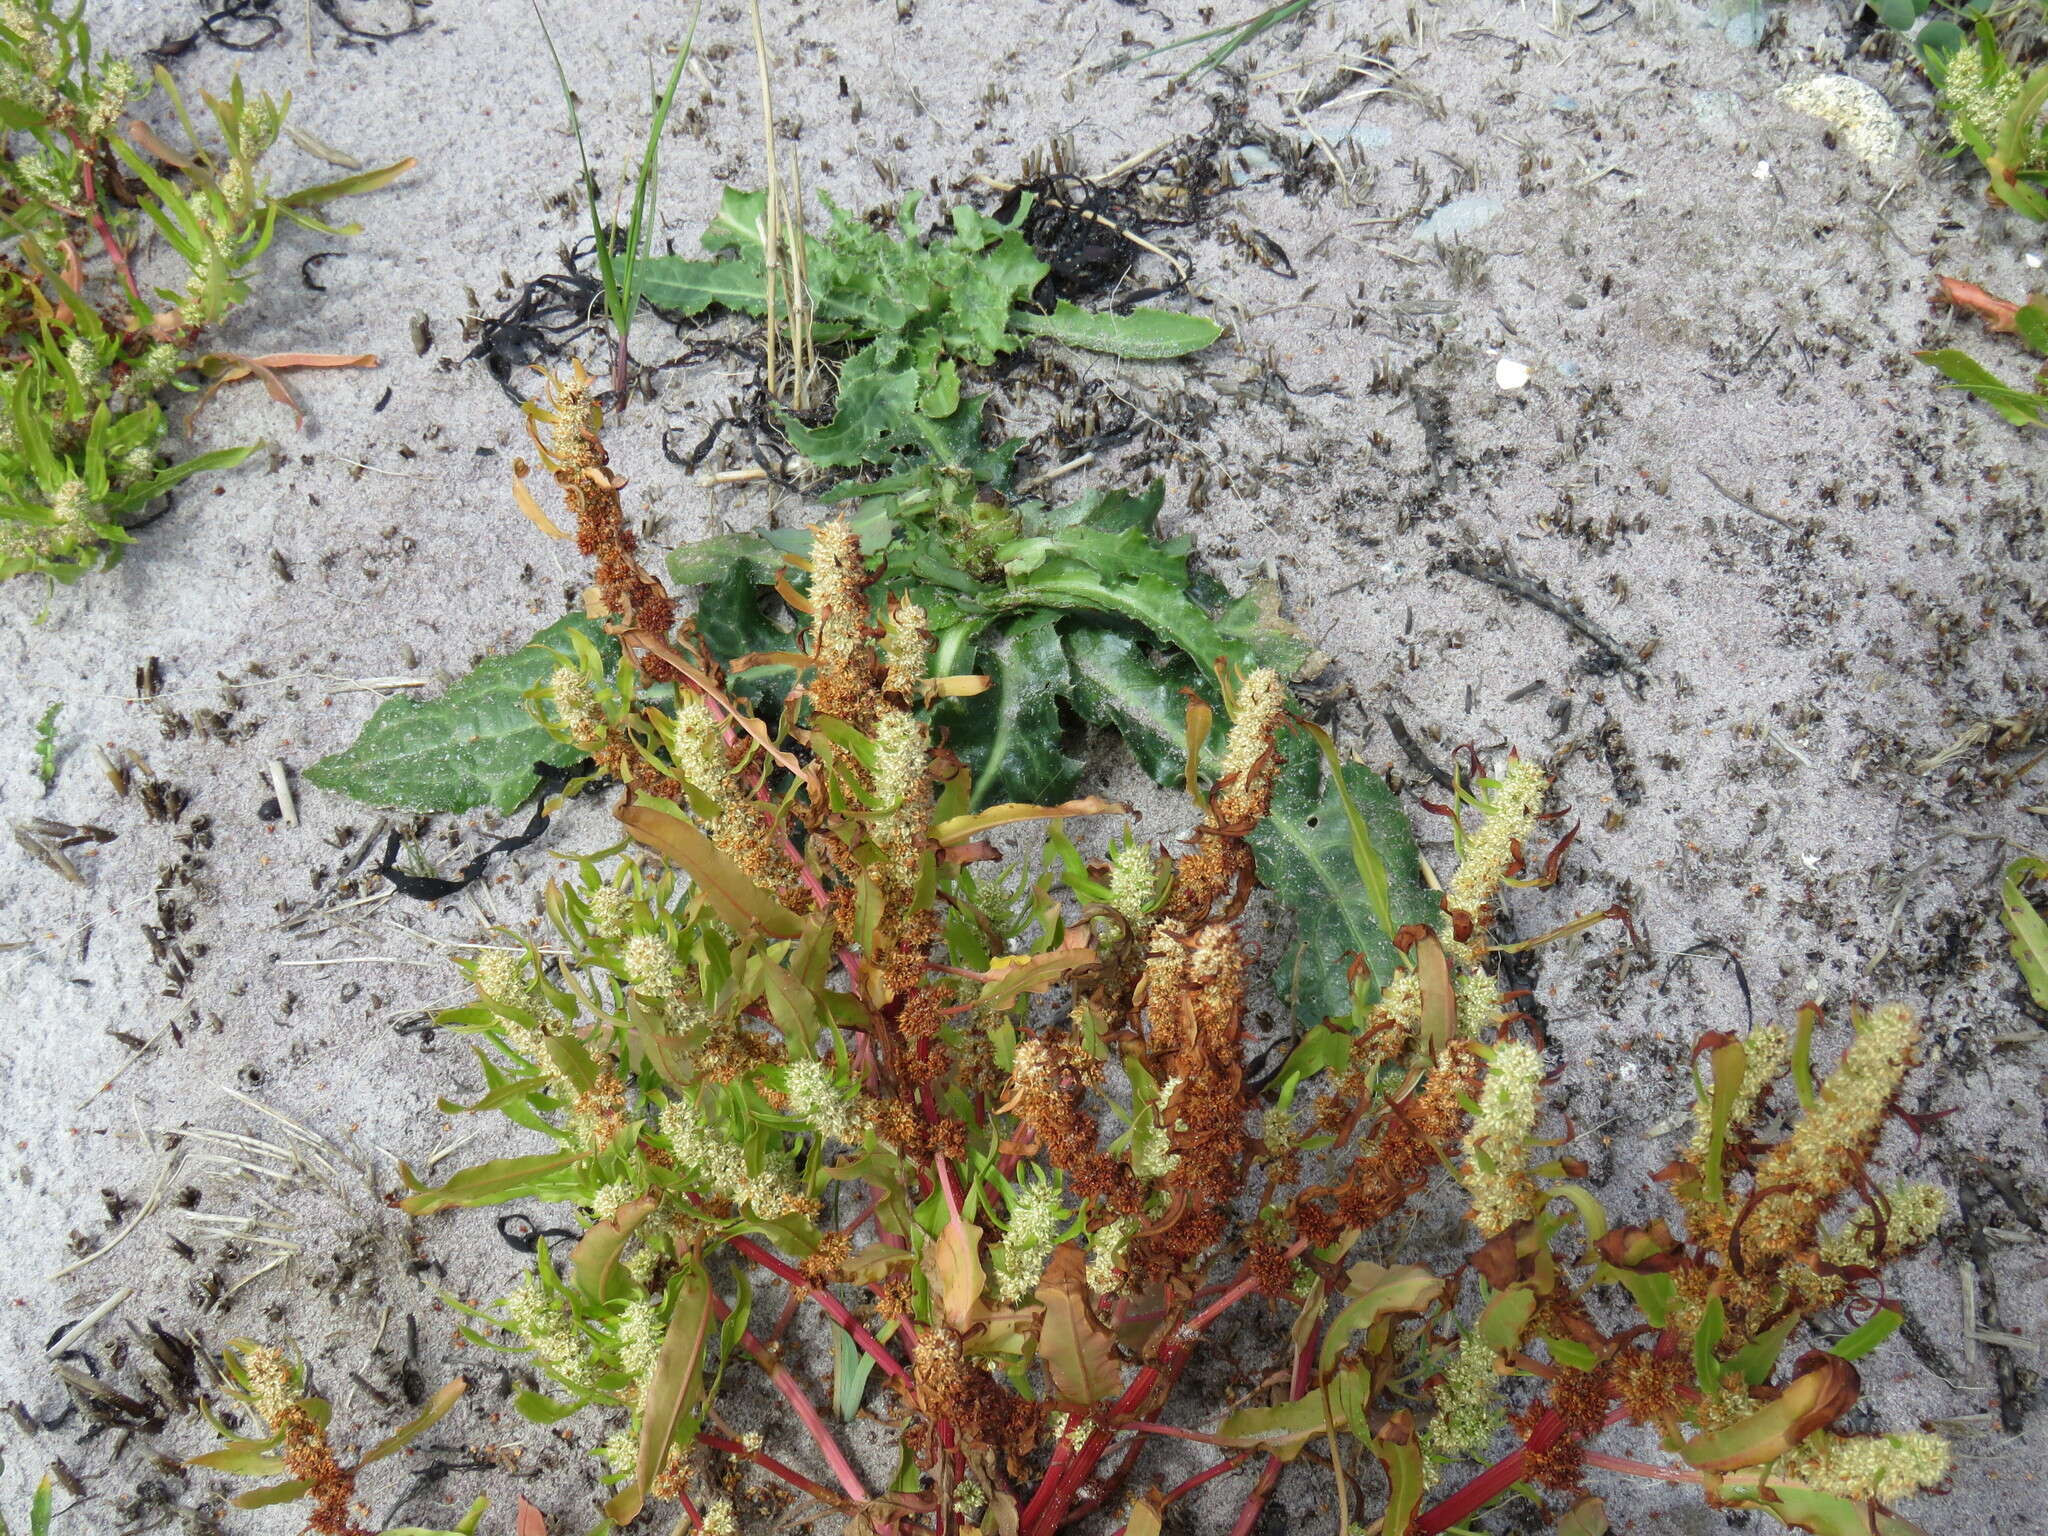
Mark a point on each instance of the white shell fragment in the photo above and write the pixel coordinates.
(1509, 374)
(1863, 120)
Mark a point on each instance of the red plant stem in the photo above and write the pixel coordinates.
(946, 1183)
(769, 1464)
(1256, 1503)
(812, 883)
(833, 1306)
(1175, 1432)
(1498, 1478)
(115, 254)
(1493, 1482)
(1189, 1485)
(1607, 1463)
(791, 1305)
(1269, 1478)
(800, 1404)
(1049, 1505)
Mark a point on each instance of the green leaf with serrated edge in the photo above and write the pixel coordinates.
(1143, 333)
(688, 288)
(1874, 1330)
(874, 416)
(1305, 857)
(1117, 685)
(2021, 407)
(544, 1176)
(2024, 922)
(1103, 509)
(1010, 735)
(1268, 635)
(475, 745)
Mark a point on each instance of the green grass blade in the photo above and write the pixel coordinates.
(650, 165)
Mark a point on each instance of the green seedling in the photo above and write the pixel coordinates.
(293, 1440)
(905, 315)
(46, 745)
(1235, 35)
(621, 252)
(88, 355)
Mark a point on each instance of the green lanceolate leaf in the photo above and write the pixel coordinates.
(475, 745)
(1010, 735)
(435, 1411)
(2021, 407)
(1143, 333)
(671, 1390)
(2025, 922)
(276, 1493)
(1305, 856)
(1824, 1514)
(1280, 1430)
(543, 1176)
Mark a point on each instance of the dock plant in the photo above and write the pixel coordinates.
(847, 1083)
(88, 351)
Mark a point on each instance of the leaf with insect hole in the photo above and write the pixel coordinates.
(475, 745)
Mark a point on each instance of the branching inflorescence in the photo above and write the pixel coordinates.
(998, 1135)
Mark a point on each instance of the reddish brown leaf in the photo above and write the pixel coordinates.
(1996, 313)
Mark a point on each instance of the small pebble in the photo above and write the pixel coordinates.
(1509, 374)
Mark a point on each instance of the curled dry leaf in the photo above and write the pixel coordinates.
(1996, 313)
